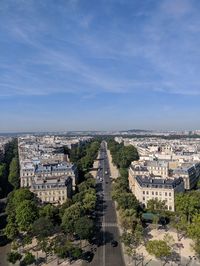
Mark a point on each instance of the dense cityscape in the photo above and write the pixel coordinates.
(100, 200)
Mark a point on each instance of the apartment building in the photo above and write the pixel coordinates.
(57, 170)
(52, 189)
(29, 172)
(190, 174)
(158, 168)
(136, 169)
(146, 188)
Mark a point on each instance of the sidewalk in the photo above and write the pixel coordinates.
(95, 166)
(113, 169)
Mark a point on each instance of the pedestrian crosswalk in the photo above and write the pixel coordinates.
(109, 224)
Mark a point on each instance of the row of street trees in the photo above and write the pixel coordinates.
(129, 208)
(9, 169)
(127, 204)
(83, 156)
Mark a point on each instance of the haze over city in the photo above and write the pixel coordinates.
(99, 65)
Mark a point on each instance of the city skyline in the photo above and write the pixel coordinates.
(111, 65)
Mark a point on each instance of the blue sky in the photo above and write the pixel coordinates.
(104, 65)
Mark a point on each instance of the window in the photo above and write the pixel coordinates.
(160, 193)
(170, 208)
(156, 193)
(143, 192)
(170, 194)
(152, 192)
(147, 192)
(165, 193)
(143, 198)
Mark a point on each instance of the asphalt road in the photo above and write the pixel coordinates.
(106, 220)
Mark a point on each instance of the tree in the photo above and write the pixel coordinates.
(51, 213)
(155, 205)
(138, 234)
(26, 214)
(75, 252)
(187, 204)
(3, 180)
(64, 249)
(158, 248)
(64, 206)
(60, 246)
(128, 217)
(42, 228)
(169, 240)
(11, 230)
(13, 177)
(13, 257)
(84, 227)
(194, 233)
(17, 197)
(28, 259)
(127, 201)
(127, 238)
(71, 215)
(122, 156)
(89, 201)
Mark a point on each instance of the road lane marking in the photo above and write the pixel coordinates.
(110, 224)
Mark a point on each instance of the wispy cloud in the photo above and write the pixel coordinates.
(52, 48)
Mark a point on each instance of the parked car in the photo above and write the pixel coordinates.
(88, 256)
(114, 243)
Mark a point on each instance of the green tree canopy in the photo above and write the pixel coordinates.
(71, 215)
(28, 259)
(13, 257)
(127, 201)
(158, 248)
(187, 204)
(42, 228)
(84, 227)
(155, 205)
(13, 177)
(26, 214)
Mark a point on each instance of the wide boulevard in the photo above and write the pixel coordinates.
(106, 221)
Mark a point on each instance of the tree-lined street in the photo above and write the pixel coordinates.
(106, 220)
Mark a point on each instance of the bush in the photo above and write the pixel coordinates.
(13, 257)
(28, 259)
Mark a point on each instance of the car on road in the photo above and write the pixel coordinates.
(114, 243)
(88, 256)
